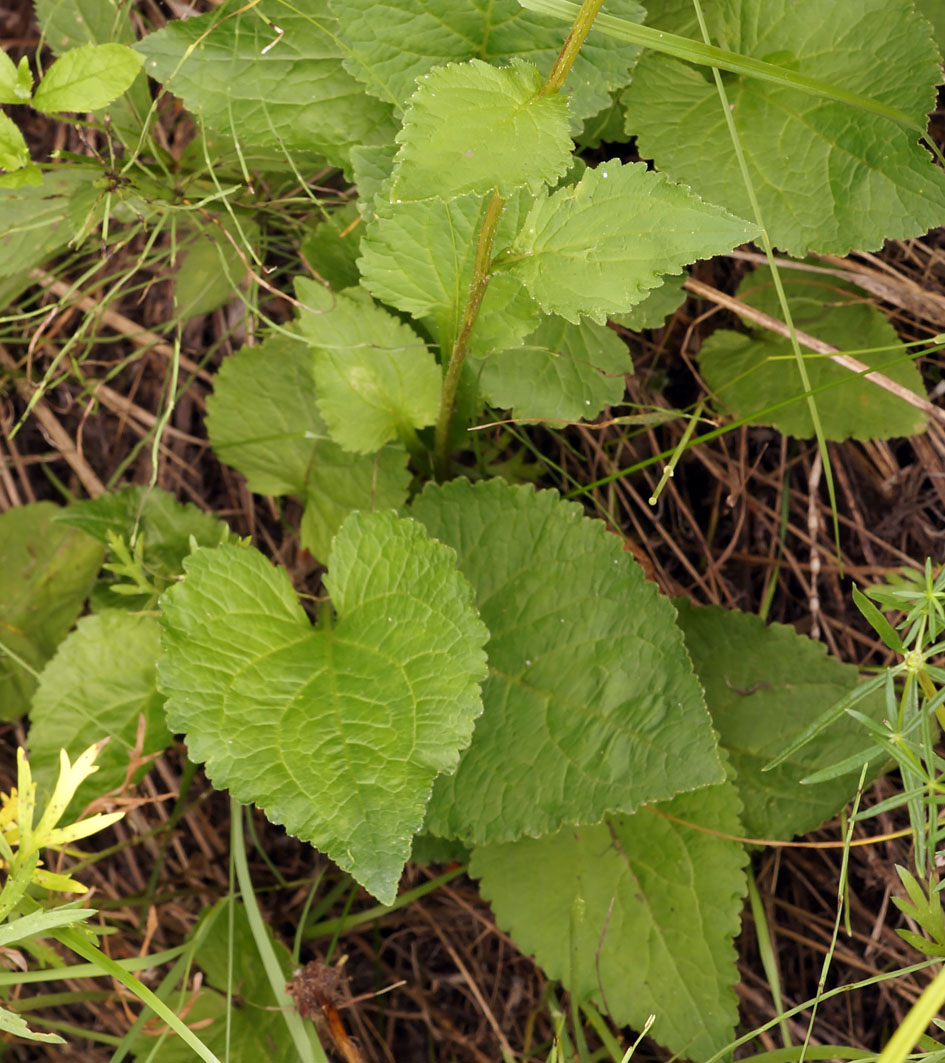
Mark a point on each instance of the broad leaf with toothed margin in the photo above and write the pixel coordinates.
(375, 378)
(748, 373)
(280, 84)
(827, 177)
(263, 420)
(600, 246)
(336, 733)
(588, 681)
(637, 913)
(391, 43)
(472, 127)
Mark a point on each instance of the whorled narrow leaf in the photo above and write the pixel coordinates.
(263, 420)
(764, 686)
(637, 913)
(826, 178)
(748, 373)
(561, 372)
(375, 378)
(46, 573)
(598, 247)
(101, 680)
(87, 78)
(419, 257)
(269, 86)
(591, 705)
(337, 733)
(472, 127)
(390, 44)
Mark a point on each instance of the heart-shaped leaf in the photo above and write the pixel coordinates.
(336, 733)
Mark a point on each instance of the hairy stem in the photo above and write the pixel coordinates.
(572, 45)
(477, 290)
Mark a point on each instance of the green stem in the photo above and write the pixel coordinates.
(572, 45)
(477, 290)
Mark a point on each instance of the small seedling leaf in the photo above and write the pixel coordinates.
(750, 373)
(661, 900)
(14, 154)
(375, 378)
(640, 225)
(336, 733)
(472, 127)
(588, 677)
(825, 180)
(16, 82)
(87, 78)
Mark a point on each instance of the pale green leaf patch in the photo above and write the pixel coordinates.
(70, 23)
(562, 372)
(589, 685)
(640, 225)
(87, 78)
(46, 573)
(655, 308)
(641, 909)
(764, 686)
(101, 680)
(473, 127)
(336, 733)
(375, 378)
(826, 178)
(14, 154)
(747, 373)
(16, 81)
(287, 91)
(391, 44)
(263, 420)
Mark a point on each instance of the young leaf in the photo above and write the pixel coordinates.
(749, 373)
(877, 621)
(14, 154)
(70, 23)
(562, 371)
(661, 903)
(419, 258)
(263, 420)
(375, 378)
(389, 48)
(336, 733)
(826, 180)
(102, 678)
(16, 82)
(46, 573)
(87, 78)
(289, 90)
(472, 127)
(587, 672)
(765, 685)
(598, 247)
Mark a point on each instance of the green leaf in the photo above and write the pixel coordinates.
(15, 1025)
(246, 81)
(472, 127)
(826, 179)
(660, 903)
(102, 678)
(376, 380)
(764, 686)
(14, 154)
(935, 13)
(16, 82)
(877, 621)
(332, 247)
(212, 269)
(655, 308)
(37, 219)
(392, 44)
(599, 246)
(263, 420)
(563, 372)
(588, 677)
(749, 373)
(154, 517)
(336, 733)
(46, 573)
(419, 257)
(69, 23)
(87, 78)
